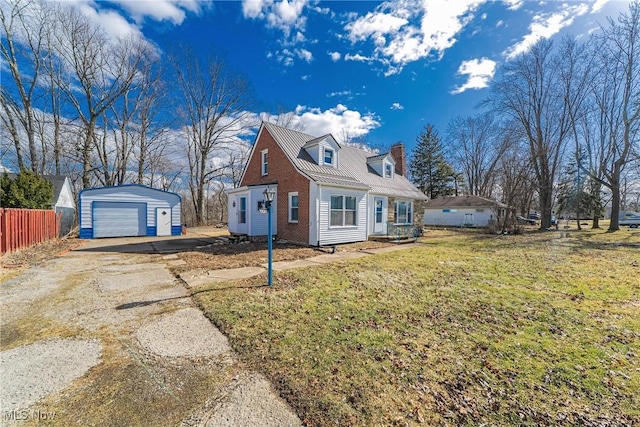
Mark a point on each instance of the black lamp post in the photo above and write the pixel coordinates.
(269, 195)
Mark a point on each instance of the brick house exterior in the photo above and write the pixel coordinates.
(335, 187)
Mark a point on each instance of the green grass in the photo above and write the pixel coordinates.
(465, 330)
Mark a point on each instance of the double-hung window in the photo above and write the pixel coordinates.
(343, 211)
(328, 156)
(293, 207)
(264, 162)
(388, 171)
(403, 213)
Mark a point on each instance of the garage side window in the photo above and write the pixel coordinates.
(242, 210)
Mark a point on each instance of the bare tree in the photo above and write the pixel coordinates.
(215, 107)
(530, 91)
(100, 71)
(617, 98)
(476, 146)
(22, 48)
(514, 178)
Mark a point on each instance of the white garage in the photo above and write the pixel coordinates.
(128, 210)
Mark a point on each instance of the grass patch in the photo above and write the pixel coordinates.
(468, 329)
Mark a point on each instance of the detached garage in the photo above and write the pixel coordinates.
(128, 210)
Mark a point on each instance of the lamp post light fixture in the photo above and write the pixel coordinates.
(269, 195)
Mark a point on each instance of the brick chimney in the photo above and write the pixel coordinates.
(397, 152)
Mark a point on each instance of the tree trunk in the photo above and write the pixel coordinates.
(614, 225)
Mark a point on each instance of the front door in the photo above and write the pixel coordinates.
(163, 222)
(378, 217)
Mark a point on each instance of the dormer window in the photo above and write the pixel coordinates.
(328, 156)
(388, 170)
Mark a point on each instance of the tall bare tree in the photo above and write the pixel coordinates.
(530, 91)
(100, 71)
(215, 106)
(476, 146)
(23, 48)
(616, 92)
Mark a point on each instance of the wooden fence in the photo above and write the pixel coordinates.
(20, 228)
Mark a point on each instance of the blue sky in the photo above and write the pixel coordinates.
(377, 70)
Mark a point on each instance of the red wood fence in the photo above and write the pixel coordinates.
(20, 228)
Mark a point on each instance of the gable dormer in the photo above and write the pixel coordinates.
(324, 151)
(383, 164)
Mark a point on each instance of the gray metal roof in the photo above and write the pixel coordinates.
(352, 171)
(463, 202)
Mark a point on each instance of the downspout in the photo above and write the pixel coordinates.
(318, 208)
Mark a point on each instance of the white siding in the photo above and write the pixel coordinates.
(133, 194)
(256, 222)
(335, 235)
(457, 219)
(65, 199)
(314, 203)
(233, 207)
(371, 208)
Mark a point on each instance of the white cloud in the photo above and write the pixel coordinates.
(546, 25)
(599, 4)
(304, 54)
(374, 25)
(336, 121)
(396, 106)
(285, 15)
(514, 4)
(407, 31)
(252, 8)
(160, 10)
(479, 72)
(357, 57)
(335, 56)
(305, 77)
(339, 93)
(287, 57)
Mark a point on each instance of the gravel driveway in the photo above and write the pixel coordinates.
(109, 337)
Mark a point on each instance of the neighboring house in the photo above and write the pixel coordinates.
(463, 211)
(63, 201)
(128, 210)
(326, 193)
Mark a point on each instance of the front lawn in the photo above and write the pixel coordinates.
(468, 329)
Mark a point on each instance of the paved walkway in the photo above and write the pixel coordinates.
(199, 277)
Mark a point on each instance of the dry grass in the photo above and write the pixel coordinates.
(469, 329)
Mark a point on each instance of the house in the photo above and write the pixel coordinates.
(63, 201)
(128, 210)
(463, 211)
(326, 193)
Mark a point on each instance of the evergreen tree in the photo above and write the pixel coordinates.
(429, 170)
(26, 191)
(575, 191)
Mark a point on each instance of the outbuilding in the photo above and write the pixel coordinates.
(463, 211)
(128, 210)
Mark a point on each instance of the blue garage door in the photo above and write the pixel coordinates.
(119, 219)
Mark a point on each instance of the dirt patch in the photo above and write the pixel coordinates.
(227, 256)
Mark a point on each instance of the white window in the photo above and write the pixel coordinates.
(343, 211)
(328, 156)
(242, 210)
(403, 213)
(293, 207)
(265, 162)
(388, 170)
